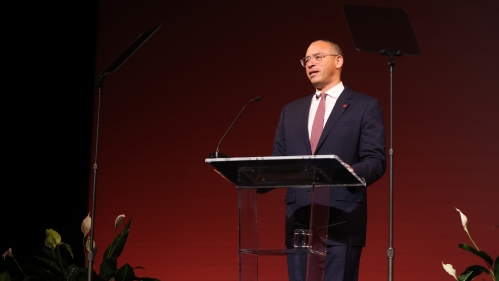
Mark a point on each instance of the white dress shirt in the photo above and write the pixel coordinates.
(332, 96)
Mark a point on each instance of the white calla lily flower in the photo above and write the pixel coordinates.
(86, 225)
(119, 220)
(464, 220)
(449, 269)
(7, 254)
(87, 246)
(52, 238)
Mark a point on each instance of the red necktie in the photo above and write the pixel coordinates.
(318, 125)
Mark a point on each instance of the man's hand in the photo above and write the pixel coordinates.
(349, 168)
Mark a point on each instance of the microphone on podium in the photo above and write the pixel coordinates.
(217, 154)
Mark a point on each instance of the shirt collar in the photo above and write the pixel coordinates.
(334, 91)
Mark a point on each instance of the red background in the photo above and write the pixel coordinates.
(167, 107)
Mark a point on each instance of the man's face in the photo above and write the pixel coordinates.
(323, 74)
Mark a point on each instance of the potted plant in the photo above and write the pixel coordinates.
(491, 269)
(55, 266)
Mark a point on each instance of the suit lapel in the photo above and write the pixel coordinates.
(339, 108)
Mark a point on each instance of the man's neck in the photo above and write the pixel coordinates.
(329, 86)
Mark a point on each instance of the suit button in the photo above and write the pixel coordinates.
(308, 191)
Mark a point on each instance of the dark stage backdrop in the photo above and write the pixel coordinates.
(48, 63)
(166, 108)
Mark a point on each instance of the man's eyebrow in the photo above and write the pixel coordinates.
(314, 54)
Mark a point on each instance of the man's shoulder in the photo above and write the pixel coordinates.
(347, 93)
(300, 101)
(357, 95)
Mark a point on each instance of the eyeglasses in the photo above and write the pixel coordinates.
(317, 57)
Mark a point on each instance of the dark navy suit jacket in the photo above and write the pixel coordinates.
(355, 132)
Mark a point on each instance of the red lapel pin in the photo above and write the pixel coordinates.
(345, 105)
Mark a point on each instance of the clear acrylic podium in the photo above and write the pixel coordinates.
(253, 174)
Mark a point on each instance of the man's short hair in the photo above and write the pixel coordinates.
(335, 48)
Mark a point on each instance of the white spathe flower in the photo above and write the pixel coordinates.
(52, 238)
(87, 246)
(86, 224)
(7, 254)
(464, 220)
(449, 269)
(119, 220)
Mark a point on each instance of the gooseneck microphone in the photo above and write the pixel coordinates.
(216, 154)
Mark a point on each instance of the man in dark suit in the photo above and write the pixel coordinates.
(334, 120)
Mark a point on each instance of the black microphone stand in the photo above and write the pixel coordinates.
(217, 154)
(100, 85)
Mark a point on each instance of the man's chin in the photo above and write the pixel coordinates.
(317, 84)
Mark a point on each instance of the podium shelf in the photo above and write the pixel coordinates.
(286, 171)
(280, 252)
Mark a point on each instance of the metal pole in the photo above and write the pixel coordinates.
(90, 256)
(391, 250)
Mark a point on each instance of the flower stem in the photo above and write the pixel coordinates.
(476, 247)
(492, 274)
(84, 251)
(18, 266)
(60, 258)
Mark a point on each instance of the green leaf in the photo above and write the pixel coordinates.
(73, 272)
(108, 268)
(34, 278)
(47, 275)
(496, 268)
(95, 277)
(49, 265)
(472, 272)
(481, 254)
(141, 267)
(81, 274)
(125, 273)
(54, 255)
(114, 250)
(143, 278)
(4, 276)
(67, 248)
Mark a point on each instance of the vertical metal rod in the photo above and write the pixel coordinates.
(391, 250)
(90, 256)
(256, 232)
(239, 214)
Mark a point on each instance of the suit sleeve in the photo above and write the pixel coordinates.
(279, 148)
(371, 150)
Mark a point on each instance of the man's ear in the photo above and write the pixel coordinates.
(339, 61)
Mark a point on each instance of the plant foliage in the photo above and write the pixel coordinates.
(53, 266)
(491, 269)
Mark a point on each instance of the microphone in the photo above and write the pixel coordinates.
(216, 154)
